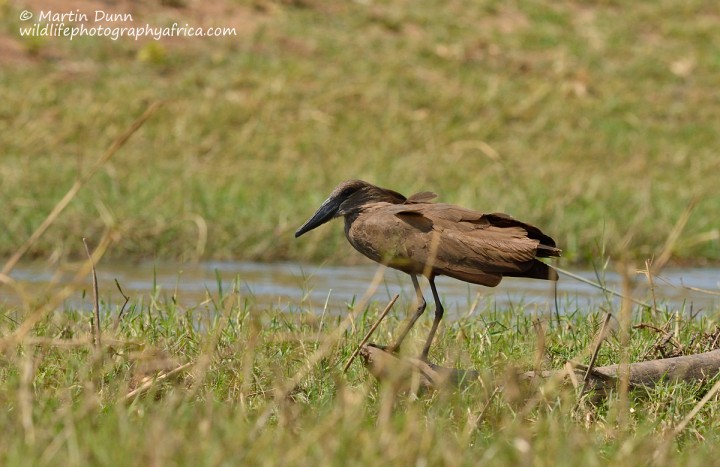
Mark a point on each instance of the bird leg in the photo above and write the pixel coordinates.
(411, 321)
(438, 316)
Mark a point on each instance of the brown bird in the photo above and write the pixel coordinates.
(418, 236)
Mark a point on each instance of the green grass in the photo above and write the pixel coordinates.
(64, 406)
(593, 120)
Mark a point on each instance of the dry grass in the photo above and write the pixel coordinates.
(592, 120)
(232, 383)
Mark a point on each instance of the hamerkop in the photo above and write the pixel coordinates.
(418, 236)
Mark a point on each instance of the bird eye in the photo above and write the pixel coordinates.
(347, 192)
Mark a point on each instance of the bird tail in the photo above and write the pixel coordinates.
(537, 270)
(546, 251)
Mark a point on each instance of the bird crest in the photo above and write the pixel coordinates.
(422, 197)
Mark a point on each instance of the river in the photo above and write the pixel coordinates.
(292, 286)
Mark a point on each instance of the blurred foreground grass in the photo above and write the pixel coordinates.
(595, 120)
(225, 406)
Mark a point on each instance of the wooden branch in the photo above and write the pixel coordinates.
(387, 366)
(648, 373)
(412, 371)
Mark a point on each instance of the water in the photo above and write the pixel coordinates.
(293, 286)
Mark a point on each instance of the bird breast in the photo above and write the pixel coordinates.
(386, 239)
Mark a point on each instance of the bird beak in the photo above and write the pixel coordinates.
(325, 212)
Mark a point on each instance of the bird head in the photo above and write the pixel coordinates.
(347, 198)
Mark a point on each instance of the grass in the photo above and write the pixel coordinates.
(593, 120)
(67, 405)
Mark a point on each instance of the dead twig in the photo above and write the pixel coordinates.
(673, 237)
(540, 346)
(73, 343)
(371, 331)
(598, 343)
(696, 289)
(150, 382)
(122, 309)
(649, 271)
(48, 306)
(710, 394)
(661, 451)
(661, 341)
(596, 350)
(604, 289)
(96, 300)
(474, 422)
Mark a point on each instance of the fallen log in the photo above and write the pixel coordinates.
(414, 372)
(646, 374)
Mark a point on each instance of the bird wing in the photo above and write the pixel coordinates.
(443, 239)
(492, 243)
